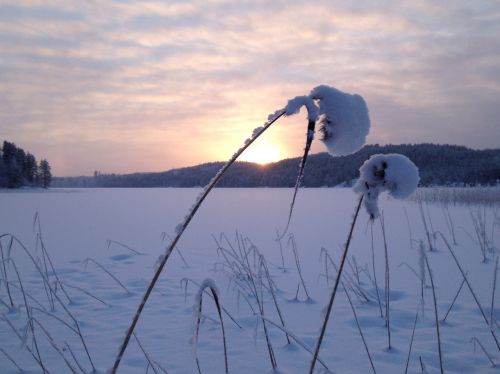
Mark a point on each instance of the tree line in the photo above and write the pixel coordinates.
(19, 168)
(439, 165)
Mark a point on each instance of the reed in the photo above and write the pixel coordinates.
(334, 291)
(493, 291)
(53, 344)
(5, 275)
(374, 270)
(208, 283)
(471, 290)
(454, 299)
(488, 356)
(89, 259)
(273, 294)
(11, 360)
(22, 339)
(145, 353)
(387, 284)
(291, 241)
(297, 340)
(359, 329)
(411, 343)
(309, 138)
(435, 315)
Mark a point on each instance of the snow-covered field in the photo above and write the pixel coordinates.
(99, 224)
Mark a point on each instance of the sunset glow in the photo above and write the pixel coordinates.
(262, 152)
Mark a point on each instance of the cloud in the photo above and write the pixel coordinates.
(38, 12)
(186, 82)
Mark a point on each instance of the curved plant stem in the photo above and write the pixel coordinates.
(471, 290)
(309, 139)
(145, 354)
(5, 275)
(359, 328)
(411, 343)
(215, 297)
(21, 338)
(179, 233)
(476, 340)
(387, 283)
(374, 272)
(90, 259)
(11, 360)
(185, 280)
(271, 290)
(454, 299)
(297, 263)
(334, 292)
(135, 251)
(435, 315)
(296, 339)
(493, 291)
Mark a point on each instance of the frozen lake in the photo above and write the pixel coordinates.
(83, 219)
(77, 224)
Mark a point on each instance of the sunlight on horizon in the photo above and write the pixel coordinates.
(262, 153)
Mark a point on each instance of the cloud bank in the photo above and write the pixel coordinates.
(122, 86)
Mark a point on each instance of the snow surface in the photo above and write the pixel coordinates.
(76, 224)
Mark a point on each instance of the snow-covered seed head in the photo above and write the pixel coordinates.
(343, 118)
(393, 173)
(293, 107)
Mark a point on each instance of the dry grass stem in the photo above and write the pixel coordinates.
(359, 328)
(334, 291)
(411, 343)
(435, 315)
(471, 290)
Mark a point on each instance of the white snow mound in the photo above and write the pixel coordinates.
(343, 118)
(393, 173)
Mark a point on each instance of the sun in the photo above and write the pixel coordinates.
(262, 152)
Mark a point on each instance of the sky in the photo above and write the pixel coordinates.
(126, 86)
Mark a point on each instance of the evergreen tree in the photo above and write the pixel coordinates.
(3, 173)
(30, 169)
(19, 161)
(8, 151)
(45, 174)
(11, 157)
(19, 168)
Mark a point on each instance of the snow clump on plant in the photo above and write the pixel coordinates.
(293, 107)
(343, 118)
(393, 173)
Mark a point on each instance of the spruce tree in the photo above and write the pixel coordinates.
(11, 156)
(30, 169)
(3, 173)
(45, 174)
(19, 168)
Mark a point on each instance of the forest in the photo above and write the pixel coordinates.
(440, 165)
(19, 168)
